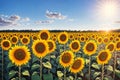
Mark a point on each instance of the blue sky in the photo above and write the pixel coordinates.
(56, 14)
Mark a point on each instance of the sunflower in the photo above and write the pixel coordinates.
(66, 58)
(5, 44)
(105, 40)
(40, 48)
(82, 38)
(44, 35)
(90, 47)
(75, 46)
(34, 37)
(110, 46)
(77, 65)
(21, 36)
(25, 40)
(14, 40)
(63, 37)
(0, 36)
(54, 39)
(117, 39)
(103, 57)
(52, 45)
(99, 40)
(71, 36)
(19, 55)
(117, 45)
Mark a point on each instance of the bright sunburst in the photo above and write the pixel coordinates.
(108, 8)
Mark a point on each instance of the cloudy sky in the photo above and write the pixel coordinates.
(59, 14)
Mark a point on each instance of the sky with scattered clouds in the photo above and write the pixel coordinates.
(56, 15)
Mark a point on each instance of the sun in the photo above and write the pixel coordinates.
(108, 8)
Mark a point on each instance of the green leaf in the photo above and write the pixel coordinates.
(10, 65)
(118, 61)
(48, 77)
(117, 72)
(96, 74)
(79, 78)
(108, 78)
(34, 73)
(87, 61)
(35, 77)
(26, 73)
(96, 66)
(35, 66)
(59, 74)
(47, 65)
(71, 78)
(81, 73)
(109, 69)
(47, 57)
(23, 78)
(34, 59)
(53, 56)
(12, 73)
(98, 78)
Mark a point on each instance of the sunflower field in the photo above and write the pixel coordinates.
(59, 55)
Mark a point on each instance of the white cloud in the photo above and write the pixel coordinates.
(70, 20)
(25, 19)
(44, 22)
(4, 22)
(14, 18)
(55, 15)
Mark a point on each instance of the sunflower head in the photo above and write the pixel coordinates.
(25, 40)
(66, 58)
(99, 40)
(90, 47)
(71, 37)
(52, 45)
(105, 40)
(117, 45)
(19, 55)
(14, 40)
(63, 37)
(110, 46)
(34, 37)
(5, 44)
(40, 48)
(75, 46)
(44, 35)
(82, 38)
(21, 36)
(103, 57)
(77, 65)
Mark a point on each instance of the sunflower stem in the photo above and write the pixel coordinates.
(89, 67)
(2, 64)
(76, 76)
(40, 68)
(49, 61)
(64, 73)
(114, 66)
(19, 72)
(102, 72)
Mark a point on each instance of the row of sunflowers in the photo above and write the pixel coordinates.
(47, 55)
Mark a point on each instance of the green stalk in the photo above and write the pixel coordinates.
(2, 65)
(64, 73)
(19, 72)
(89, 67)
(102, 72)
(40, 68)
(114, 66)
(49, 61)
(76, 76)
